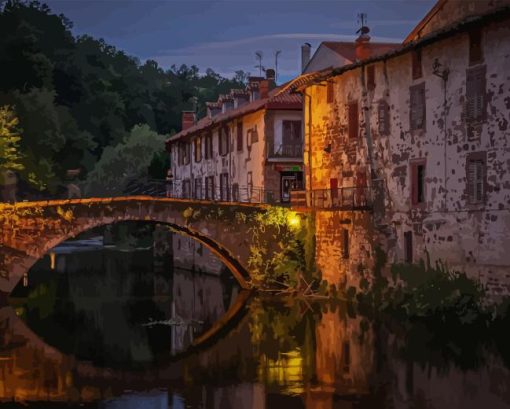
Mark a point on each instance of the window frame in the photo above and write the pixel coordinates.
(471, 200)
(197, 149)
(240, 136)
(475, 46)
(370, 83)
(476, 90)
(416, 64)
(353, 120)
(417, 95)
(415, 182)
(330, 92)
(383, 126)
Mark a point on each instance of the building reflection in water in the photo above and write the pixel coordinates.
(104, 322)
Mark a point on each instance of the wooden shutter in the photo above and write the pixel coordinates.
(475, 93)
(239, 136)
(371, 77)
(417, 108)
(353, 120)
(384, 118)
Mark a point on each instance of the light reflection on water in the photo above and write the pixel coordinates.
(105, 330)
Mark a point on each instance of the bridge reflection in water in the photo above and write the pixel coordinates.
(104, 327)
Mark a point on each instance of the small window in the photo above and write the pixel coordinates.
(475, 177)
(198, 189)
(224, 187)
(197, 142)
(408, 247)
(224, 141)
(475, 94)
(383, 116)
(416, 64)
(418, 183)
(417, 109)
(371, 77)
(186, 189)
(239, 136)
(475, 46)
(345, 243)
(209, 188)
(330, 92)
(353, 120)
(346, 357)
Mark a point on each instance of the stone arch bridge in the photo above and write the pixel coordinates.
(243, 235)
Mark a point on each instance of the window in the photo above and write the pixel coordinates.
(345, 243)
(224, 141)
(208, 146)
(198, 188)
(475, 94)
(330, 92)
(353, 119)
(186, 189)
(198, 148)
(291, 140)
(475, 177)
(371, 77)
(249, 185)
(408, 247)
(224, 187)
(235, 192)
(183, 153)
(209, 188)
(417, 109)
(239, 136)
(418, 183)
(416, 64)
(383, 116)
(475, 46)
(346, 356)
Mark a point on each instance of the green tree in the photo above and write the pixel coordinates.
(10, 135)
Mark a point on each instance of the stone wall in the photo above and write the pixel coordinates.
(468, 237)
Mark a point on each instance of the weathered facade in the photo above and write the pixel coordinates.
(425, 128)
(248, 148)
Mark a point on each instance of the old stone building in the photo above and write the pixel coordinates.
(409, 151)
(249, 148)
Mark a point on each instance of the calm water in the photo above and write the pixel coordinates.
(120, 327)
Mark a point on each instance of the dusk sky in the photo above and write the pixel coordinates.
(224, 35)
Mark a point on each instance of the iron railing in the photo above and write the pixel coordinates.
(344, 198)
(287, 151)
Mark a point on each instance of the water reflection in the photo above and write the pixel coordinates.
(107, 328)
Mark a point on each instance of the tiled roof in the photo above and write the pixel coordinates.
(275, 100)
(316, 77)
(348, 49)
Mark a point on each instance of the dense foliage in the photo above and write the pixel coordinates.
(78, 97)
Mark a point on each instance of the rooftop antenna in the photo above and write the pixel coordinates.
(362, 21)
(276, 54)
(259, 56)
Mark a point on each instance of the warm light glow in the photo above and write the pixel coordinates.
(293, 220)
(52, 260)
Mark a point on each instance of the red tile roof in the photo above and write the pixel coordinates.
(275, 100)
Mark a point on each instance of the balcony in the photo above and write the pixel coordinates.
(345, 198)
(294, 151)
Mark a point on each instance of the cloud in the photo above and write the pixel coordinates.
(226, 57)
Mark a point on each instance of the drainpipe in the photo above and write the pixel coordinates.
(310, 182)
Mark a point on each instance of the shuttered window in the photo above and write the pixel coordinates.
(418, 183)
(198, 148)
(408, 247)
(371, 77)
(224, 141)
(475, 177)
(383, 116)
(239, 136)
(475, 94)
(417, 109)
(353, 120)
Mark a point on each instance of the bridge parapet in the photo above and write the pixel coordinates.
(257, 242)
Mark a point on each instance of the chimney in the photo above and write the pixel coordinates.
(188, 119)
(264, 89)
(363, 44)
(306, 50)
(271, 78)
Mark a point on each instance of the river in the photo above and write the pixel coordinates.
(117, 323)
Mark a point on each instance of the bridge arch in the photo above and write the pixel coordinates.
(229, 230)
